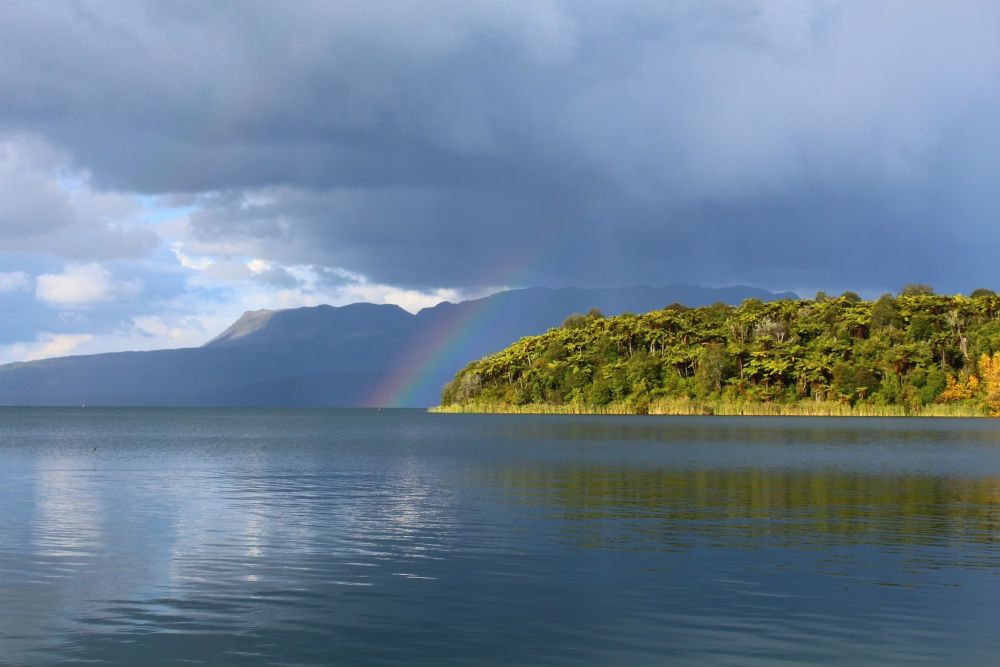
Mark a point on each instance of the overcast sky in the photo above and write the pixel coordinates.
(165, 166)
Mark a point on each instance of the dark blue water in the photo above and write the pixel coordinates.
(365, 538)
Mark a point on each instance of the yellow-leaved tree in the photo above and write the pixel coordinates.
(989, 374)
(961, 389)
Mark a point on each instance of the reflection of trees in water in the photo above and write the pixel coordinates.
(609, 506)
(834, 431)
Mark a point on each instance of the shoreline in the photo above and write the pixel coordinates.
(716, 408)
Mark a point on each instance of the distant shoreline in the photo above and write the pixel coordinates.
(681, 407)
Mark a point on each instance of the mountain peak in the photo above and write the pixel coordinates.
(310, 322)
(247, 324)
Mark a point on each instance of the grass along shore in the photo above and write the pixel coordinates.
(728, 408)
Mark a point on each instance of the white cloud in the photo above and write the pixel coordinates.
(259, 265)
(188, 261)
(44, 345)
(260, 283)
(407, 299)
(14, 281)
(153, 332)
(84, 284)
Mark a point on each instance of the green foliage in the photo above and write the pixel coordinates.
(714, 368)
(851, 296)
(914, 289)
(885, 312)
(921, 327)
(577, 320)
(934, 384)
(896, 353)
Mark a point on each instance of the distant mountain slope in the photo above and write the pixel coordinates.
(356, 355)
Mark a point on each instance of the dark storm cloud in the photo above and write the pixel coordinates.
(460, 144)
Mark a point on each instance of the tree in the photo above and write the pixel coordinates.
(915, 289)
(982, 291)
(576, 320)
(935, 384)
(921, 327)
(714, 366)
(989, 372)
(853, 297)
(885, 312)
(959, 390)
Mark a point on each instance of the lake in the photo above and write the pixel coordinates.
(358, 537)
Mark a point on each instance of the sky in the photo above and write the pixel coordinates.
(165, 166)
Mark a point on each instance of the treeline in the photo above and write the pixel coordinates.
(914, 353)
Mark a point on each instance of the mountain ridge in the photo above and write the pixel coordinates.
(346, 356)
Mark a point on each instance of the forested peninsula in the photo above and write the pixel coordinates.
(916, 353)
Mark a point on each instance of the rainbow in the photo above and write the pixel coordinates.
(446, 343)
(427, 356)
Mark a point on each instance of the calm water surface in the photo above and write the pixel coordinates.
(358, 537)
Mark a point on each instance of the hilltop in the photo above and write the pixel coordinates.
(918, 353)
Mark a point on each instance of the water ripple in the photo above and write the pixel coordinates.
(345, 537)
